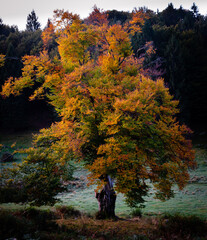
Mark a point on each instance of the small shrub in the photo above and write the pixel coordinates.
(42, 219)
(31, 223)
(137, 212)
(36, 181)
(67, 211)
(183, 226)
(35, 213)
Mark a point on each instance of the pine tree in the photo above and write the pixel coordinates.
(32, 22)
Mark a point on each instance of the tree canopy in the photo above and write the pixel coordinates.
(112, 115)
(178, 35)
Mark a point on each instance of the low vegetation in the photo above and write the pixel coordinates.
(68, 223)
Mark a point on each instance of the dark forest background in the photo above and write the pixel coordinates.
(179, 36)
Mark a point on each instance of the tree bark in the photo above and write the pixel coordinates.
(106, 199)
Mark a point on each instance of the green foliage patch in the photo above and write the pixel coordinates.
(37, 180)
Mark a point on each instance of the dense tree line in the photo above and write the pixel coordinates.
(17, 113)
(178, 35)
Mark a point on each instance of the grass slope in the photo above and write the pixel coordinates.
(192, 200)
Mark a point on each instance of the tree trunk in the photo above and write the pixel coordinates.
(106, 199)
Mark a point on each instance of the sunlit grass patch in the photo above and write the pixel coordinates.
(191, 200)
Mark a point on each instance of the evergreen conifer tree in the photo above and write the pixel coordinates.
(32, 22)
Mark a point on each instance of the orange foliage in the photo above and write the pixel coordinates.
(138, 19)
(2, 60)
(119, 121)
(48, 35)
(98, 17)
(62, 20)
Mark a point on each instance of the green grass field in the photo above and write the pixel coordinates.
(18, 140)
(192, 200)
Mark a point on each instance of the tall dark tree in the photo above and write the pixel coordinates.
(19, 114)
(195, 10)
(32, 22)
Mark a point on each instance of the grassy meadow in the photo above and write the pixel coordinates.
(182, 217)
(190, 201)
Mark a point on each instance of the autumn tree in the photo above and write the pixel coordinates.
(195, 10)
(120, 123)
(97, 17)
